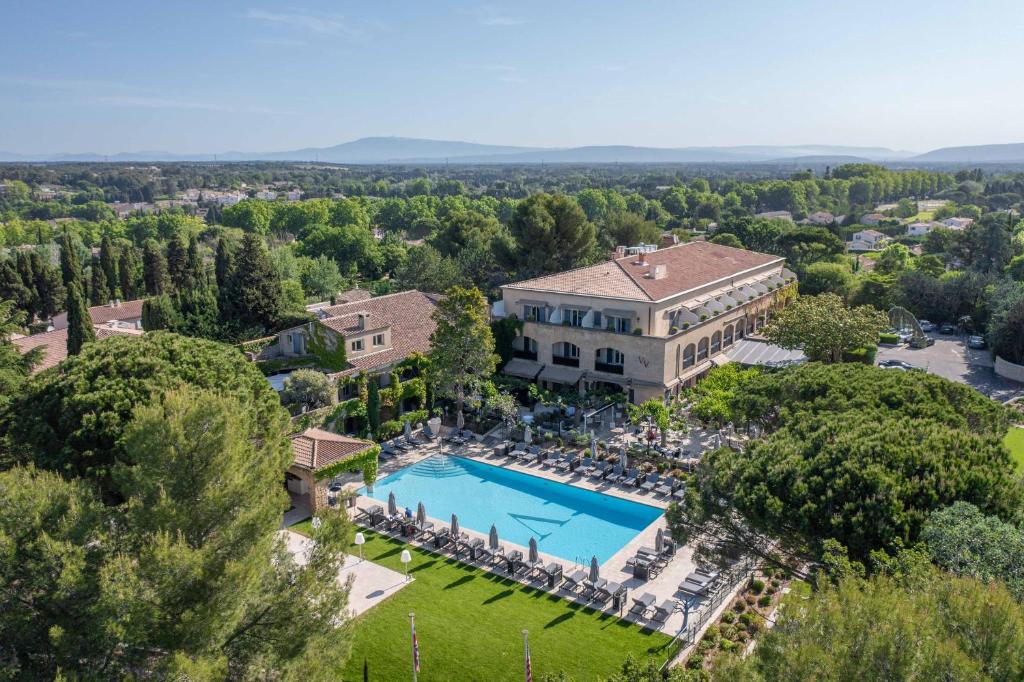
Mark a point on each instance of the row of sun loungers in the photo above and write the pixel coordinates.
(697, 583)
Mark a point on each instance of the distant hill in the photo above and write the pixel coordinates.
(983, 153)
(387, 150)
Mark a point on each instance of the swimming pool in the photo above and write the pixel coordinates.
(570, 523)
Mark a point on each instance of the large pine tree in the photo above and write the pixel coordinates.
(154, 268)
(254, 292)
(80, 330)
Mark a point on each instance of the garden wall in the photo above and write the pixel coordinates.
(1008, 370)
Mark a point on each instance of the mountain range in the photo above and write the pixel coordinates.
(394, 150)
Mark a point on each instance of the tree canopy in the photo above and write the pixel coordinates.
(824, 327)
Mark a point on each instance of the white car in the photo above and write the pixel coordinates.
(926, 326)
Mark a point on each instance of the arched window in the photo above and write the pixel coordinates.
(525, 347)
(741, 327)
(678, 354)
(728, 336)
(565, 353)
(702, 349)
(689, 356)
(609, 360)
(716, 342)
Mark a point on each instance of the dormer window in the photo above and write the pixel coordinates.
(357, 345)
(378, 339)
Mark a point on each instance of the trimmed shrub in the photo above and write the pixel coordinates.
(756, 586)
(888, 338)
(764, 600)
(728, 617)
(865, 355)
(695, 662)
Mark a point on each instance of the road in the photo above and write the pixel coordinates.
(951, 358)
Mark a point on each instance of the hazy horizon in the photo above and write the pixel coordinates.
(194, 78)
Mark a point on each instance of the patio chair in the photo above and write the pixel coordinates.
(590, 588)
(603, 593)
(514, 561)
(552, 573)
(666, 486)
(525, 455)
(368, 514)
(599, 471)
(693, 589)
(663, 610)
(616, 475)
(567, 463)
(398, 445)
(472, 546)
(573, 582)
(535, 452)
(585, 467)
(679, 493)
(424, 529)
(428, 433)
(642, 603)
(650, 483)
(631, 479)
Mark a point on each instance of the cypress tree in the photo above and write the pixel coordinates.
(80, 329)
(373, 405)
(48, 286)
(195, 273)
(99, 289)
(224, 265)
(158, 313)
(126, 269)
(70, 266)
(11, 286)
(154, 268)
(28, 279)
(108, 261)
(254, 292)
(177, 263)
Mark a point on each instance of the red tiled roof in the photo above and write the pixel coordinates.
(314, 449)
(55, 344)
(408, 313)
(125, 310)
(688, 266)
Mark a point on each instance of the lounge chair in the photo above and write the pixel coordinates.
(663, 610)
(616, 475)
(525, 455)
(472, 546)
(552, 573)
(567, 463)
(424, 529)
(585, 467)
(368, 514)
(573, 582)
(428, 433)
(598, 471)
(514, 561)
(632, 479)
(653, 555)
(590, 588)
(603, 593)
(693, 589)
(398, 445)
(651, 483)
(642, 603)
(666, 486)
(679, 493)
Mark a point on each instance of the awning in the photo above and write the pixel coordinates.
(570, 306)
(750, 352)
(539, 304)
(612, 312)
(720, 359)
(560, 374)
(520, 367)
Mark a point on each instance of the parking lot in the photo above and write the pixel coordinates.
(952, 359)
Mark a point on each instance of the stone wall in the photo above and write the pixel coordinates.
(1008, 370)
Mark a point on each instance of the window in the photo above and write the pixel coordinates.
(689, 356)
(535, 313)
(716, 342)
(378, 339)
(728, 336)
(357, 345)
(619, 324)
(702, 349)
(575, 317)
(597, 320)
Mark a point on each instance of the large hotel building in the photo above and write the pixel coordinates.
(648, 324)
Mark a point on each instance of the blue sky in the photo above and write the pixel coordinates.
(213, 76)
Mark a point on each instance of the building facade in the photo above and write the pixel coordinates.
(648, 324)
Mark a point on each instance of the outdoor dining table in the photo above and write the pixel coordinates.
(511, 559)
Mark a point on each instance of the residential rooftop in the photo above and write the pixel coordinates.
(314, 449)
(55, 343)
(653, 276)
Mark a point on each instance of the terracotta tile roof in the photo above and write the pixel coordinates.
(125, 310)
(314, 449)
(687, 266)
(408, 313)
(55, 344)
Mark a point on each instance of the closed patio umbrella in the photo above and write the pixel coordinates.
(595, 570)
(408, 430)
(460, 421)
(659, 541)
(534, 558)
(528, 435)
(421, 514)
(623, 459)
(455, 525)
(492, 541)
(392, 505)
(593, 445)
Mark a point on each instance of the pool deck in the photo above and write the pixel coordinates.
(663, 586)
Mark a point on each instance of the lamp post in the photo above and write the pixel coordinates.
(360, 541)
(405, 559)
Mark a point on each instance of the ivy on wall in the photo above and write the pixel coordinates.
(505, 332)
(365, 461)
(318, 346)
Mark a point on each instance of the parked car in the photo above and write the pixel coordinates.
(976, 341)
(899, 364)
(926, 326)
(947, 328)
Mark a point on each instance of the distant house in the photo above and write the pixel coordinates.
(872, 219)
(867, 240)
(314, 450)
(821, 218)
(55, 343)
(294, 195)
(920, 229)
(957, 223)
(127, 315)
(776, 215)
(266, 195)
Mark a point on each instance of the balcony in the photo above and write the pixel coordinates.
(565, 360)
(608, 368)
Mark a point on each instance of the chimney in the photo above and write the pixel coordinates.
(643, 258)
(364, 318)
(110, 303)
(658, 271)
(620, 251)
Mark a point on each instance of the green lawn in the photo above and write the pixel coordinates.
(469, 625)
(1015, 442)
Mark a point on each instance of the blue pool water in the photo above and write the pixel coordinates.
(571, 523)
